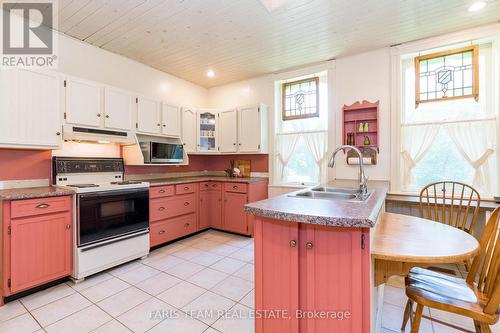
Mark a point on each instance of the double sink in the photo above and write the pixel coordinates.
(332, 193)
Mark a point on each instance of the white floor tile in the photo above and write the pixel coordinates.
(184, 270)
(233, 288)
(125, 268)
(181, 294)
(81, 322)
(224, 249)
(206, 259)
(139, 274)
(59, 309)
(395, 296)
(123, 301)
(449, 317)
(241, 321)
(165, 262)
(208, 306)
(392, 318)
(243, 255)
(228, 265)
(20, 324)
(90, 281)
(104, 289)
(171, 248)
(239, 241)
(188, 253)
(145, 316)
(246, 272)
(205, 245)
(207, 278)
(158, 283)
(113, 326)
(182, 324)
(46, 296)
(11, 310)
(249, 300)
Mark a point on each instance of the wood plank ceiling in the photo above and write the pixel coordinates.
(240, 39)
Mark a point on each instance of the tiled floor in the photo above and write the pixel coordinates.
(170, 291)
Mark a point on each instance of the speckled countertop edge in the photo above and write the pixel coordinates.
(34, 192)
(183, 180)
(352, 214)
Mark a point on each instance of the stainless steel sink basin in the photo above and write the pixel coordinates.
(331, 193)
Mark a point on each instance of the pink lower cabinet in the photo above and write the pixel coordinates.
(210, 205)
(37, 248)
(315, 273)
(235, 218)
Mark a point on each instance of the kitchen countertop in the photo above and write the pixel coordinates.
(336, 213)
(183, 180)
(34, 192)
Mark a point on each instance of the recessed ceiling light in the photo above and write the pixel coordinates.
(210, 73)
(477, 6)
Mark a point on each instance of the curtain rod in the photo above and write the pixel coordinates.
(443, 122)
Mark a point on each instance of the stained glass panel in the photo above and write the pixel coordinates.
(444, 75)
(300, 99)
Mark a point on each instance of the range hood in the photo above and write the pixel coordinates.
(79, 133)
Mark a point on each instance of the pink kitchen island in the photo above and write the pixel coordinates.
(313, 271)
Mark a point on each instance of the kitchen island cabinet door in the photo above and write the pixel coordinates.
(331, 269)
(40, 250)
(276, 276)
(235, 218)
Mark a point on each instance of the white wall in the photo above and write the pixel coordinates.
(89, 62)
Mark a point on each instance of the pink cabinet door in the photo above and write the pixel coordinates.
(205, 209)
(330, 278)
(235, 218)
(40, 250)
(276, 276)
(216, 209)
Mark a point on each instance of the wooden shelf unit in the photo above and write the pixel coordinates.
(361, 112)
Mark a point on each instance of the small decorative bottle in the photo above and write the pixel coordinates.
(366, 127)
(366, 141)
(361, 127)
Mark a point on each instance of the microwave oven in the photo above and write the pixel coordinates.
(162, 152)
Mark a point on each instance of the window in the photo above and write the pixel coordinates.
(301, 139)
(448, 138)
(300, 99)
(449, 74)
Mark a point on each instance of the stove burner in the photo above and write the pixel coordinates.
(126, 182)
(83, 185)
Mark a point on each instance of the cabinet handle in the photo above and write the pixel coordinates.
(186, 188)
(68, 226)
(161, 191)
(161, 232)
(58, 133)
(186, 203)
(293, 243)
(161, 209)
(234, 144)
(158, 125)
(235, 187)
(43, 205)
(186, 225)
(99, 115)
(309, 245)
(214, 185)
(107, 116)
(164, 125)
(206, 185)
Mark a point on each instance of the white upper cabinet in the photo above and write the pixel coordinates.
(228, 134)
(170, 120)
(252, 129)
(189, 131)
(30, 113)
(117, 109)
(148, 116)
(207, 131)
(83, 103)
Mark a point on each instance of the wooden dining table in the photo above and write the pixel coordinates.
(400, 242)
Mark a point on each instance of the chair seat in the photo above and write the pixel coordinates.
(448, 293)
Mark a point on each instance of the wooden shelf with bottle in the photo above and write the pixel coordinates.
(360, 124)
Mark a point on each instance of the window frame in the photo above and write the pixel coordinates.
(475, 73)
(284, 85)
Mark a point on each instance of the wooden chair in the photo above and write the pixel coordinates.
(477, 297)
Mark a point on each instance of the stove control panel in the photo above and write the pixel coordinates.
(67, 165)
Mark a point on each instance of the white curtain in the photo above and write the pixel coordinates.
(285, 144)
(317, 144)
(415, 142)
(476, 142)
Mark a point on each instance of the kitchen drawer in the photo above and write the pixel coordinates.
(33, 207)
(171, 229)
(185, 188)
(205, 186)
(164, 208)
(161, 191)
(235, 187)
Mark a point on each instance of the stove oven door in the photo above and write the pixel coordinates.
(110, 214)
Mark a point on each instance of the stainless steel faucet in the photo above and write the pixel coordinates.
(363, 190)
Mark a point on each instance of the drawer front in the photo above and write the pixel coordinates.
(161, 191)
(164, 208)
(165, 231)
(235, 187)
(33, 207)
(185, 188)
(205, 186)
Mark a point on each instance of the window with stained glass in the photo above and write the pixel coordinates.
(300, 99)
(447, 75)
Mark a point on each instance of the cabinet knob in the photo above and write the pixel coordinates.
(99, 115)
(234, 144)
(164, 125)
(239, 144)
(68, 226)
(309, 245)
(161, 209)
(43, 205)
(293, 243)
(186, 203)
(107, 116)
(158, 125)
(186, 188)
(58, 133)
(161, 191)
(161, 232)
(186, 225)
(206, 185)
(235, 187)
